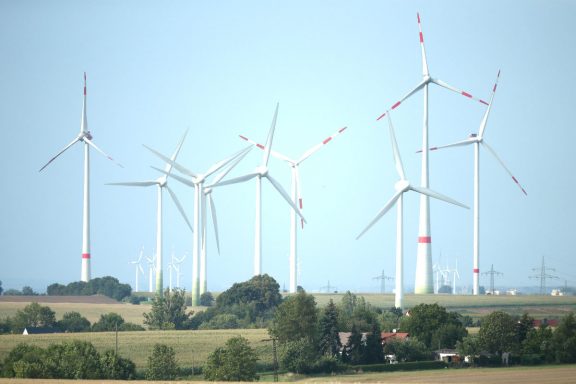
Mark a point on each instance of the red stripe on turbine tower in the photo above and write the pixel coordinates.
(85, 255)
(476, 270)
(425, 239)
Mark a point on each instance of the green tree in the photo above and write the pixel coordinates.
(407, 350)
(523, 326)
(354, 352)
(73, 360)
(235, 362)
(298, 356)
(108, 322)
(1, 289)
(538, 346)
(469, 346)
(296, 318)
(565, 340)
(28, 291)
(498, 333)
(74, 322)
(168, 311)
(24, 361)
(329, 343)
(162, 364)
(115, 367)
(206, 299)
(34, 315)
(434, 326)
(374, 353)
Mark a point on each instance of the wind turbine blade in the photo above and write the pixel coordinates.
(181, 179)
(397, 158)
(413, 91)
(425, 71)
(485, 119)
(298, 191)
(236, 180)
(61, 152)
(168, 167)
(222, 163)
(223, 174)
(285, 195)
(436, 195)
(214, 220)
(90, 143)
(277, 155)
(270, 138)
(179, 206)
(141, 269)
(179, 167)
(505, 167)
(84, 123)
(315, 148)
(141, 254)
(457, 90)
(381, 213)
(457, 144)
(135, 183)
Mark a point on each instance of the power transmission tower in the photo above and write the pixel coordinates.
(492, 273)
(329, 288)
(543, 275)
(383, 279)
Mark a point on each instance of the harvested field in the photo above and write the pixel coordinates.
(94, 299)
(549, 374)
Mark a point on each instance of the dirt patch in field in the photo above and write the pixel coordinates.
(95, 299)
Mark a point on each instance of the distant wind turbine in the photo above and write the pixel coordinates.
(402, 186)
(197, 182)
(161, 183)
(86, 137)
(476, 140)
(139, 269)
(296, 197)
(259, 173)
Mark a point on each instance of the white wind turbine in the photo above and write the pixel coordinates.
(259, 173)
(296, 197)
(402, 186)
(197, 182)
(86, 137)
(475, 140)
(139, 269)
(151, 268)
(423, 282)
(161, 183)
(176, 264)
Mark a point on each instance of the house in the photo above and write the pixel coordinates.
(389, 336)
(447, 356)
(37, 330)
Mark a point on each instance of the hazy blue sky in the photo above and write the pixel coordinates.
(219, 67)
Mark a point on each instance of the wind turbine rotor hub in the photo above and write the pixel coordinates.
(262, 170)
(402, 185)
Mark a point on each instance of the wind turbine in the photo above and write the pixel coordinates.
(86, 137)
(475, 140)
(151, 267)
(197, 182)
(177, 263)
(161, 183)
(259, 173)
(138, 269)
(402, 186)
(423, 282)
(296, 197)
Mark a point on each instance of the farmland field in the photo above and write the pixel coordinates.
(526, 375)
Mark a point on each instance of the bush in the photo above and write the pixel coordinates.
(298, 356)
(74, 322)
(411, 366)
(115, 367)
(235, 362)
(108, 322)
(162, 364)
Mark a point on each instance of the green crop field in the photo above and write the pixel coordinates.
(191, 347)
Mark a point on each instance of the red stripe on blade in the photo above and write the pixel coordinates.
(466, 94)
(300, 203)
(483, 102)
(513, 178)
(260, 146)
(418, 14)
(381, 116)
(396, 105)
(421, 37)
(243, 137)
(342, 130)
(425, 239)
(327, 140)
(85, 255)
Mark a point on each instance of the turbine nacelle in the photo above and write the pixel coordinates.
(402, 185)
(262, 171)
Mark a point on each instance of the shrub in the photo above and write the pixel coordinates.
(162, 364)
(235, 362)
(114, 367)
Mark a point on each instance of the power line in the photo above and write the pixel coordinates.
(383, 279)
(543, 275)
(329, 288)
(492, 273)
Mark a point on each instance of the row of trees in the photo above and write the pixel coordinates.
(107, 286)
(35, 315)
